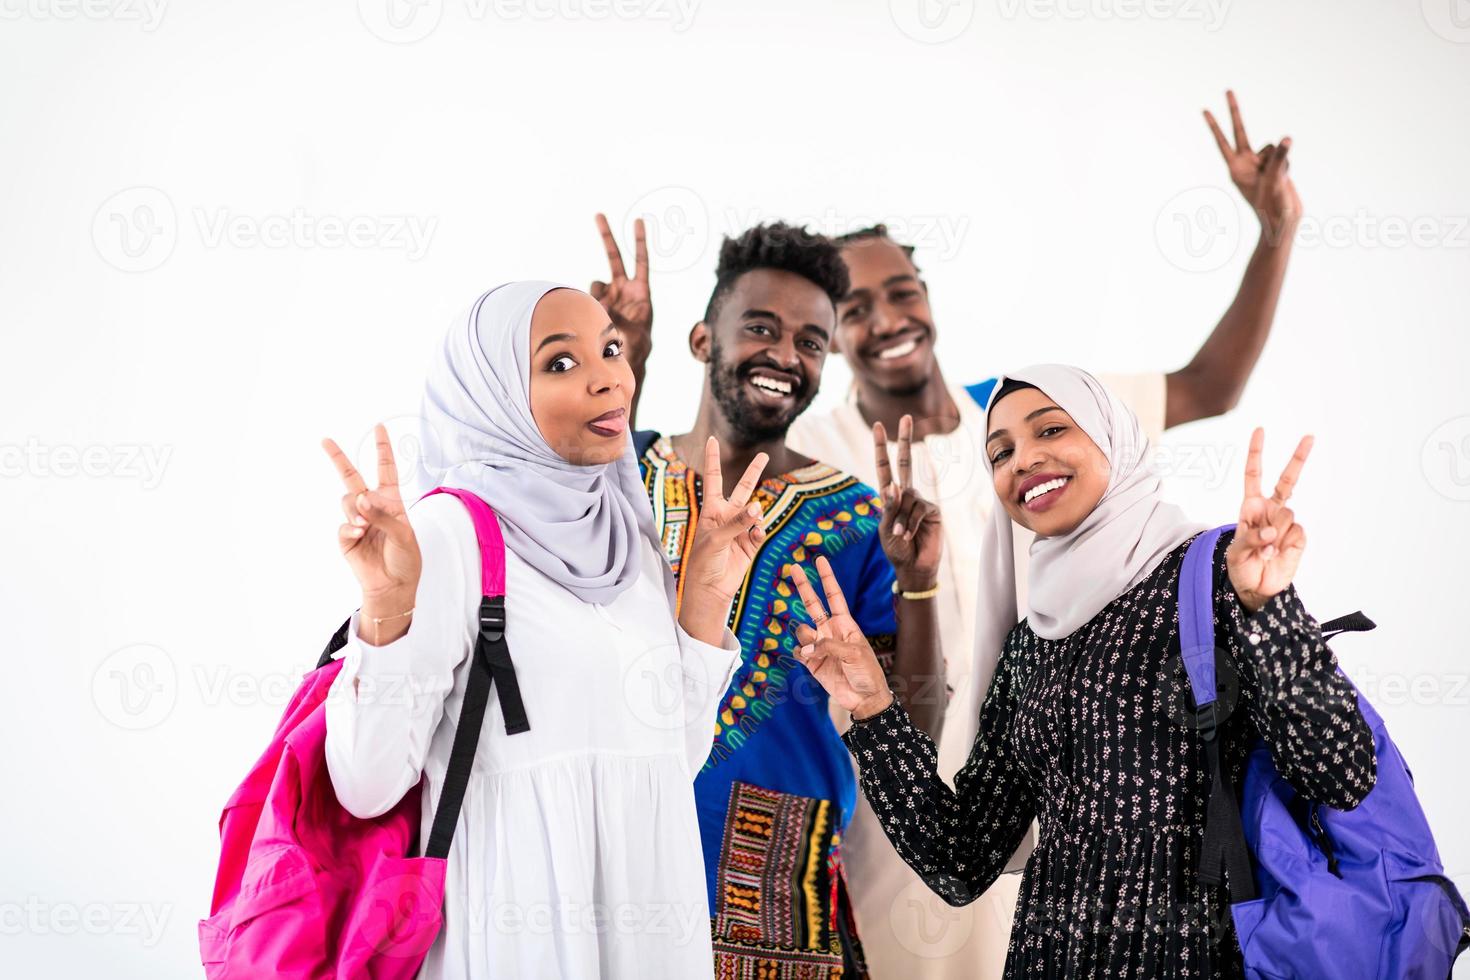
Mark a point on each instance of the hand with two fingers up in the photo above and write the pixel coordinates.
(1263, 557)
(1261, 175)
(834, 648)
(378, 543)
(910, 530)
(727, 536)
(628, 300)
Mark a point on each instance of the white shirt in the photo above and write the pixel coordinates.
(577, 849)
(906, 930)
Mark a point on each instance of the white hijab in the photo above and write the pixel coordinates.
(1072, 577)
(579, 525)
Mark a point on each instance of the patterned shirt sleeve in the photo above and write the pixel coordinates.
(958, 840)
(1302, 706)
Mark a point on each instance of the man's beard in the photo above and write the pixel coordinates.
(732, 394)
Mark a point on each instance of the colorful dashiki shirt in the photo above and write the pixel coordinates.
(778, 788)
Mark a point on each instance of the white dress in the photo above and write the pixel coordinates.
(577, 851)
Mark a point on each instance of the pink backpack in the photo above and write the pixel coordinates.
(307, 891)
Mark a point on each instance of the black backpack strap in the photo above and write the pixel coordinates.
(1224, 856)
(490, 665)
(337, 642)
(1224, 853)
(1353, 622)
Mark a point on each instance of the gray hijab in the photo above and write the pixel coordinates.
(579, 525)
(1071, 577)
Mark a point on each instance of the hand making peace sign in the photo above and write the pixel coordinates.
(835, 651)
(726, 538)
(910, 530)
(377, 540)
(1268, 544)
(628, 302)
(1260, 175)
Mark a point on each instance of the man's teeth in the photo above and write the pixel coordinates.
(898, 350)
(771, 384)
(1046, 487)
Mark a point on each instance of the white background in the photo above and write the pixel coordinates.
(175, 349)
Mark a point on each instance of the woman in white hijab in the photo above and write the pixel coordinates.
(1083, 726)
(577, 850)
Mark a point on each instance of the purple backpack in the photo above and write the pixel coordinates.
(1314, 891)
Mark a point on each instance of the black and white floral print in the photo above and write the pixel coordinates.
(1083, 734)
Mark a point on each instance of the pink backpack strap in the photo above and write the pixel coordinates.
(490, 666)
(487, 532)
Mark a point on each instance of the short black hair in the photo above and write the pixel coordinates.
(780, 246)
(880, 232)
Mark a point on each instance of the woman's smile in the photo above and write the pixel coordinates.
(1041, 492)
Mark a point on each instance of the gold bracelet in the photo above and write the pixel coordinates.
(379, 620)
(928, 593)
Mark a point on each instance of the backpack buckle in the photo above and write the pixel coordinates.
(1206, 721)
(492, 617)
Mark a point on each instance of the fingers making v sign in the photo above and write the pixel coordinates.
(628, 301)
(377, 540)
(1260, 175)
(910, 530)
(727, 536)
(1268, 545)
(834, 650)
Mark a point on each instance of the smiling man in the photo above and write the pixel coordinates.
(886, 332)
(778, 789)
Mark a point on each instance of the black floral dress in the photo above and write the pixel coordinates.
(1084, 734)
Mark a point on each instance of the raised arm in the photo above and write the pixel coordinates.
(628, 302)
(1212, 382)
(413, 629)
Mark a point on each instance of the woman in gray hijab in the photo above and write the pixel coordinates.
(1081, 723)
(577, 852)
